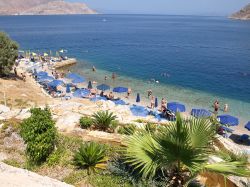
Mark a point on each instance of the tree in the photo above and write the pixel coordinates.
(8, 54)
(40, 135)
(180, 151)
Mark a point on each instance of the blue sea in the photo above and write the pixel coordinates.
(195, 59)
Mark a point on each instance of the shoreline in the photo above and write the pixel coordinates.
(190, 97)
(89, 74)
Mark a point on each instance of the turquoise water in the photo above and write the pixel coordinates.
(195, 59)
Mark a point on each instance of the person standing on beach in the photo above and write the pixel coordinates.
(149, 93)
(226, 108)
(216, 106)
(93, 69)
(129, 92)
(152, 102)
(113, 76)
(15, 71)
(163, 104)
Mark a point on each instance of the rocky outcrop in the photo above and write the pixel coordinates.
(243, 14)
(11, 176)
(42, 7)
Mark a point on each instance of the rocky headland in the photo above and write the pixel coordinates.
(43, 7)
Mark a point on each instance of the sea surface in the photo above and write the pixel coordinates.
(195, 59)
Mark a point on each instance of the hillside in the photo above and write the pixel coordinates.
(243, 14)
(42, 7)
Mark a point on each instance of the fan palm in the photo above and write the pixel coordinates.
(103, 119)
(91, 156)
(180, 150)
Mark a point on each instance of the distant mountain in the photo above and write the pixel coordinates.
(243, 14)
(42, 7)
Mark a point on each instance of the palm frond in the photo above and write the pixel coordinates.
(142, 153)
(229, 168)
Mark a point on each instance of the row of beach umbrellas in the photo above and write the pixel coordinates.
(173, 106)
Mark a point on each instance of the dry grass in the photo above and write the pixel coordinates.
(20, 94)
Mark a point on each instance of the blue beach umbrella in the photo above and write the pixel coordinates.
(81, 93)
(68, 88)
(90, 85)
(200, 113)
(228, 120)
(78, 80)
(42, 73)
(176, 107)
(119, 102)
(45, 79)
(138, 99)
(55, 83)
(156, 102)
(103, 87)
(120, 89)
(139, 111)
(247, 126)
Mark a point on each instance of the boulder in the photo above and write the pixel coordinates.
(68, 121)
(15, 177)
(4, 109)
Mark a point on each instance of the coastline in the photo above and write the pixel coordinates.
(191, 98)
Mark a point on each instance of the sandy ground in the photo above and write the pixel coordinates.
(19, 94)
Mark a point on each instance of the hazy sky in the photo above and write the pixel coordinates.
(179, 7)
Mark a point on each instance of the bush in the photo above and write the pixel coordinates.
(128, 129)
(8, 54)
(40, 135)
(103, 120)
(86, 122)
(91, 156)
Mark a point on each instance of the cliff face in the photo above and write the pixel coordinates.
(42, 7)
(243, 14)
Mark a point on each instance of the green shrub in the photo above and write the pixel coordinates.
(128, 129)
(40, 135)
(91, 156)
(86, 122)
(103, 119)
(114, 124)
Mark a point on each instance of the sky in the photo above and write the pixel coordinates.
(169, 7)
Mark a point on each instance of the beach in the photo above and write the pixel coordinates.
(65, 109)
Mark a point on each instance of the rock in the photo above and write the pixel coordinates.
(24, 114)
(3, 156)
(16, 177)
(243, 14)
(4, 109)
(11, 114)
(240, 181)
(68, 121)
(14, 141)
